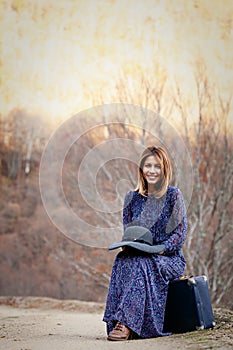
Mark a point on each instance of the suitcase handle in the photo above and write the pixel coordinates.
(184, 277)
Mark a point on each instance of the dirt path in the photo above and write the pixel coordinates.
(81, 328)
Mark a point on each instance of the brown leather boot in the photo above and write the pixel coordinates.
(120, 332)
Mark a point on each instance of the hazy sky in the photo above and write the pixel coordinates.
(57, 54)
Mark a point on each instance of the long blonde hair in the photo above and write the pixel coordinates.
(166, 168)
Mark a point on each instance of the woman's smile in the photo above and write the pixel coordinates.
(152, 178)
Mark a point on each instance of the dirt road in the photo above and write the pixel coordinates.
(80, 327)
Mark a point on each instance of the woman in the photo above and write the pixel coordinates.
(138, 287)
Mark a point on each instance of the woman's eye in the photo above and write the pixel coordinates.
(156, 166)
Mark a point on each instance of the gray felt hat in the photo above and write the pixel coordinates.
(140, 238)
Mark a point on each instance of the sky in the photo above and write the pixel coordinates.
(57, 56)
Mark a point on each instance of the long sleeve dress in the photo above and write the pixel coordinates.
(139, 281)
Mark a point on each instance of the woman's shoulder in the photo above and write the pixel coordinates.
(132, 194)
(173, 191)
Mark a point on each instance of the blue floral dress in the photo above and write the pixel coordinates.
(139, 281)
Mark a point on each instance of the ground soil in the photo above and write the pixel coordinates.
(34, 323)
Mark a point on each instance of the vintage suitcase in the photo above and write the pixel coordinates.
(188, 305)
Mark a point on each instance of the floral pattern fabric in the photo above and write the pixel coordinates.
(139, 281)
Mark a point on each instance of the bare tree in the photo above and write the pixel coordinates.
(208, 249)
(145, 89)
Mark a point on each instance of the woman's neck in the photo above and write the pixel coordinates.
(151, 190)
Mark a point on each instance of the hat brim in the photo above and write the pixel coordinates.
(139, 246)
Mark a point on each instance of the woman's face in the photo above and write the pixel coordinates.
(152, 171)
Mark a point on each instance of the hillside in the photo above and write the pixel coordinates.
(37, 260)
